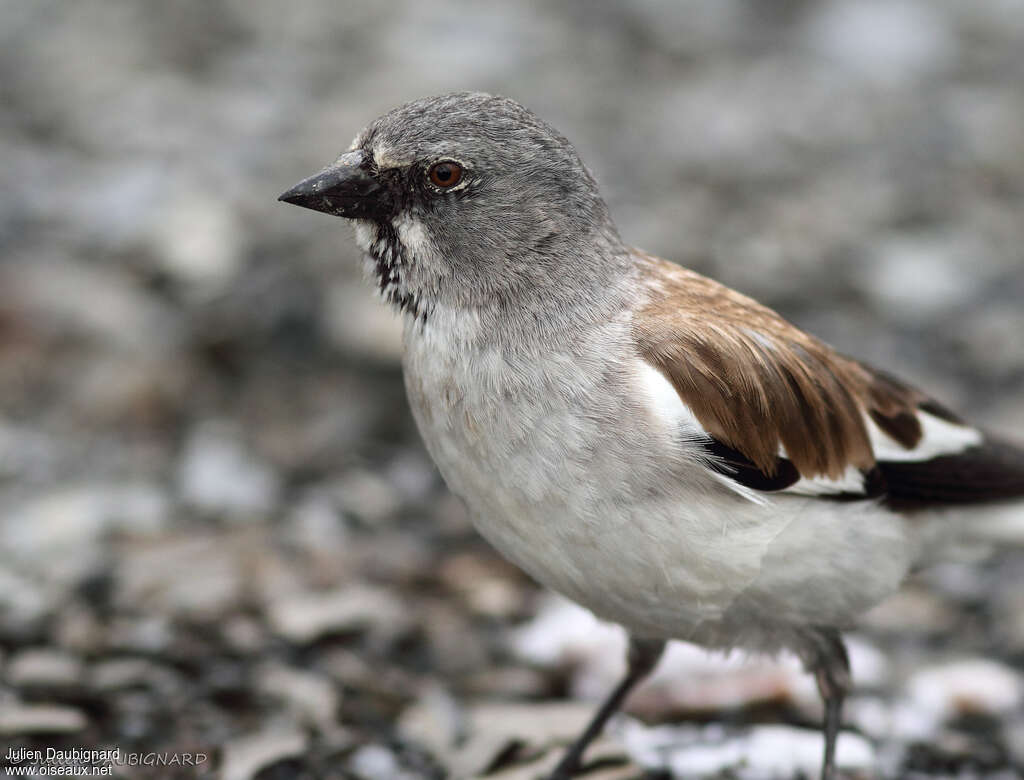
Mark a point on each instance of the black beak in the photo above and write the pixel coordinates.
(346, 188)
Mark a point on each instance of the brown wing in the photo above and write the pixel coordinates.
(755, 382)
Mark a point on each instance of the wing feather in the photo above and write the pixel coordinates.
(784, 411)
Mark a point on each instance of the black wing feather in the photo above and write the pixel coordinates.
(737, 466)
(992, 471)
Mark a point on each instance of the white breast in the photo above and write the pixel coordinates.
(581, 470)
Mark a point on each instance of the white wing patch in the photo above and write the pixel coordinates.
(939, 437)
(667, 406)
(669, 410)
(851, 481)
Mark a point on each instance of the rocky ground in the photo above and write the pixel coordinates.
(219, 534)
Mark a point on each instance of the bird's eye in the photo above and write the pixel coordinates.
(445, 174)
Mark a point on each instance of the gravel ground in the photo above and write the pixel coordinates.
(220, 538)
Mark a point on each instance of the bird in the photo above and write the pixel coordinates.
(655, 446)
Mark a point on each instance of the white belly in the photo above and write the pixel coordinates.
(569, 469)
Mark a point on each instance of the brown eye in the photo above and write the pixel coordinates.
(445, 174)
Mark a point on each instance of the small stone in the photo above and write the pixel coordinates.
(245, 756)
(151, 634)
(492, 727)
(17, 718)
(94, 300)
(891, 43)
(604, 752)
(1014, 739)
(483, 584)
(315, 697)
(25, 453)
(688, 678)
(67, 520)
(507, 682)
(197, 240)
(78, 630)
(761, 751)
(966, 686)
(304, 617)
(315, 525)
(434, 720)
(154, 574)
(413, 476)
(922, 277)
(123, 390)
(23, 601)
(123, 673)
(376, 762)
(455, 647)
(219, 475)
(469, 740)
(244, 634)
(367, 496)
(378, 677)
(44, 668)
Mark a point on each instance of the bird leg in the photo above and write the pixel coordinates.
(826, 658)
(642, 657)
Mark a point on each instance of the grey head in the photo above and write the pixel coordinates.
(468, 200)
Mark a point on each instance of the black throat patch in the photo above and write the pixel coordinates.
(389, 260)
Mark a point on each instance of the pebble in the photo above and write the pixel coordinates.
(756, 753)
(79, 631)
(435, 720)
(244, 634)
(892, 43)
(1014, 736)
(119, 674)
(217, 564)
(151, 634)
(604, 753)
(68, 520)
(687, 677)
(91, 300)
(314, 524)
(367, 496)
(923, 277)
(244, 757)
(312, 695)
(39, 719)
(220, 476)
(304, 617)
(491, 727)
(1009, 612)
(485, 584)
(25, 453)
(197, 240)
(24, 600)
(966, 686)
(376, 762)
(44, 667)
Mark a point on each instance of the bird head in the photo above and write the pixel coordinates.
(464, 199)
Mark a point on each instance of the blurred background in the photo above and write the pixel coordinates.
(219, 532)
